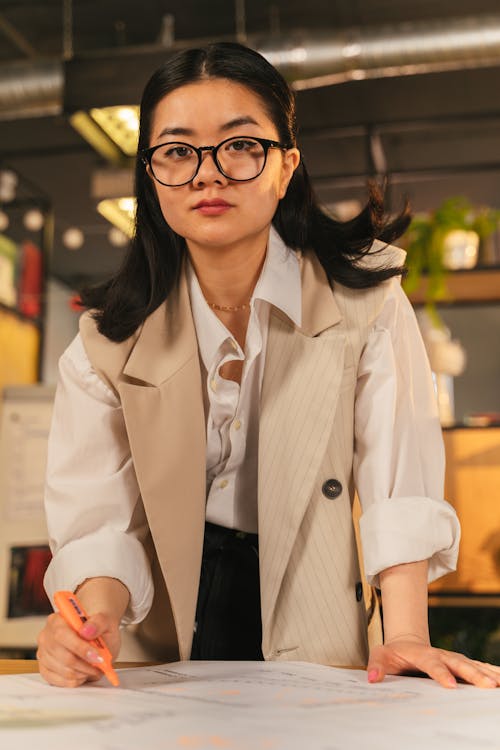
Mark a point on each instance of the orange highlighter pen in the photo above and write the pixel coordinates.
(70, 608)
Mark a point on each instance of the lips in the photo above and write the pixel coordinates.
(214, 207)
(212, 203)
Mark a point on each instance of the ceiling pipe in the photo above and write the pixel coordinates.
(411, 48)
(307, 59)
(30, 88)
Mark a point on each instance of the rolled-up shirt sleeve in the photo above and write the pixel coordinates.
(94, 511)
(399, 453)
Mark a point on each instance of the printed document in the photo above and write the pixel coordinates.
(247, 706)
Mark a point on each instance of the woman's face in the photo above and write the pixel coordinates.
(203, 114)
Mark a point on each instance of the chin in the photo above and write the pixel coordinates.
(219, 236)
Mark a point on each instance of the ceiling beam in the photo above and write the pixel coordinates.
(15, 36)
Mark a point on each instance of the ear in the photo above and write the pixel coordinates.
(291, 160)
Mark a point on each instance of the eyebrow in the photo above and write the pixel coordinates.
(236, 122)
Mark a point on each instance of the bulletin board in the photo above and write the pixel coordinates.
(24, 554)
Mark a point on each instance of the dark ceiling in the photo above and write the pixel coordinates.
(439, 132)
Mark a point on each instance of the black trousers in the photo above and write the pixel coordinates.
(228, 620)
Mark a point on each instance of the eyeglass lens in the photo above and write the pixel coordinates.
(238, 158)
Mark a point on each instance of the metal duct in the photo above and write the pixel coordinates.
(307, 59)
(31, 88)
(377, 52)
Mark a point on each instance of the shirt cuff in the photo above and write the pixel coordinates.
(104, 553)
(408, 529)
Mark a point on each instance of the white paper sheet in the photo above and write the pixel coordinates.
(247, 706)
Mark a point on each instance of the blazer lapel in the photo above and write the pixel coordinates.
(303, 372)
(162, 402)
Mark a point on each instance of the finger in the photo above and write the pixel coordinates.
(470, 671)
(376, 668)
(66, 649)
(85, 660)
(105, 628)
(67, 665)
(95, 626)
(61, 640)
(58, 680)
(493, 668)
(96, 678)
(62, 651)
(439, 672)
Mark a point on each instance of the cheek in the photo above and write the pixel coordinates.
(269, 189)
(170, 208)
(278, 179)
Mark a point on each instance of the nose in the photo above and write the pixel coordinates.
(208, 171)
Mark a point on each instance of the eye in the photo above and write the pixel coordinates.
(241, 145)
(176, 152)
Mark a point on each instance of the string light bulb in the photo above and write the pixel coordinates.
(33, 220)
(73, 238)
(117, 238)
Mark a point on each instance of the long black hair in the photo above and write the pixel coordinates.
(153, 263)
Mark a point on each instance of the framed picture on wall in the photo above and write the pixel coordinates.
(24, 552)
(26, 595)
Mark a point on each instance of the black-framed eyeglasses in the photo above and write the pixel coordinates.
(240, 158)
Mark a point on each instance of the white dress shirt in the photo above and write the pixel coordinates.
(95, 518)
(233, 414)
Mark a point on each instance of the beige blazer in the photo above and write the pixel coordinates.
(312, 607)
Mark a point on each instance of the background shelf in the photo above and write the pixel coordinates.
(478, 285)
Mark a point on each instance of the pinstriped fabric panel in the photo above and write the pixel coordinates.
(308, 552)
(298, 405)
(317, 607)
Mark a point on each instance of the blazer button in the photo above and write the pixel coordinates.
(331, 488)
(359, 591)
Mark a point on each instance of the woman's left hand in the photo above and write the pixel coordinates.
(409, 657)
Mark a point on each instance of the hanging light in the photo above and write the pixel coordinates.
(117, 238)
(120, 212)
(73, 238)
(33, 220)
(112, 131)
(8, 185)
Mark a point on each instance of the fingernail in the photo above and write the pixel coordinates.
(372, 675)
(88, 630)
(94, 658)
(490, 682)
(451, 682)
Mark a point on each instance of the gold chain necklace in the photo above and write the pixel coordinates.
(229, 308)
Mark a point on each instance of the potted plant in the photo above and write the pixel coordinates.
(446, 239)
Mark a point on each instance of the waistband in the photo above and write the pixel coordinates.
(219, 536)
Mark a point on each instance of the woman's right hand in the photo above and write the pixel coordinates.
(67, 658)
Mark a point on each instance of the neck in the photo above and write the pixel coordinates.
(228, 275)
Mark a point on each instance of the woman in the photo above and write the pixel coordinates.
(251, 363)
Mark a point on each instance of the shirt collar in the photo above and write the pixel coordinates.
(279, 284)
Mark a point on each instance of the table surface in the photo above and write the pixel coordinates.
(27, 666)
(18, 666)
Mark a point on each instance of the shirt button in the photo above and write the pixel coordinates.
(331, 489)
(236, 424)
(223, 483)
(213, 384)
